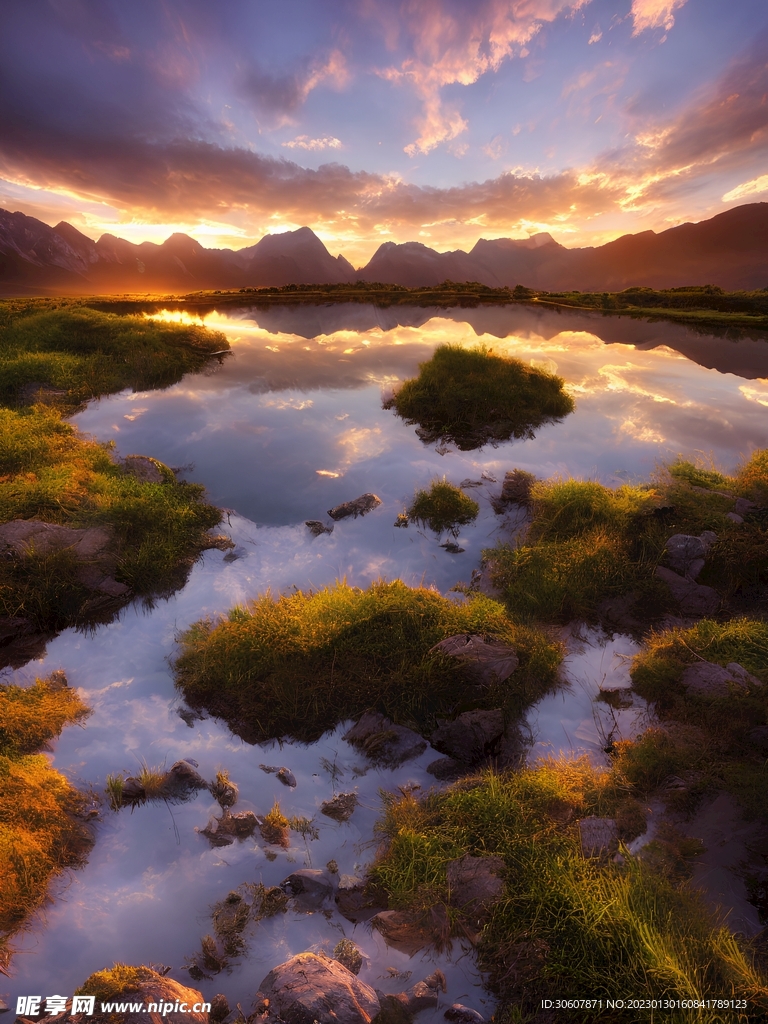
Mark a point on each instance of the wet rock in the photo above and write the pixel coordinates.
(285, 775)
(402, 930)
(471, 737)
(181, 781)
(383, 742)
(317, 528)
(686, 554)
(710, 680)
(148, 470)
(190, 716)
(358, 507)
(402, 521)
(354, 899)
(693, 599)
(219, 1008)
(423, 995)
(349, 955)
(460, 1014)
(341, 807)
(447, 769)
(153, 988)
(314, 988)
(452, 547)
(309, 886)
(218, 542)
(133, 792)
(599, 836)
(224, 791)
(224, 830)
(490, 660)
(475, 884)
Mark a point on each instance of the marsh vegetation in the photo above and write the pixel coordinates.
(471, 397)
(443, 507)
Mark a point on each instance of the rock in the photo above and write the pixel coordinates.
(359, 507)
(148, 470)
(452, 548)
(447, 769)
(285, 775)
(619, 611)
(316, 528)
(424, 994)
(309, 886)
(153, 989)
(460, 1014)
(219, 1008)
(710, 680)
(743, 506)
(349, 955)
(354, 899)
(402, 521)
(734, 517)
(23, 536)
(133, 792)
(490, 660)
(217, 542)
(181, 781)
(384, 743)
(516, 489)
(341, 807)
(693, 599)
(402, 930)
(224, 792)
(224, 830)
(314, 989)
(471, 737)
(475, 883)
(598, 836)
(686, 554)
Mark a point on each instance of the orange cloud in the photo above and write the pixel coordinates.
(648, 14)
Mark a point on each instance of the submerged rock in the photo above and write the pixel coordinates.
(349, 955)
(424, 994)
(309, 886)
(317, 528)
(599, 836)
(314, 988)
(383, 742)
(710, 680)
(471, 737)
(693, 598)
(358, 507)
(460, 1014)
(224, 791)
(285, 775)
(341, 807)
(224, 830)
(402, 521)
(354, 899)
(490, 660)
(181, 782)
(402, 930)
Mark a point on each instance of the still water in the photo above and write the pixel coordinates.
(283, 428)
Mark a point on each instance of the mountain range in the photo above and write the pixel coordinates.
(729, 250)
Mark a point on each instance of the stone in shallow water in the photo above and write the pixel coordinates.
(383, 742)
(460, 1014)
(317, 528)
(310, 886)
(341, 807)
(285, 775)
(349, 955)
(314, 988)
(471, 737)
(358, 507)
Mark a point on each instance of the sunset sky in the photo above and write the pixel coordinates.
(440, 121)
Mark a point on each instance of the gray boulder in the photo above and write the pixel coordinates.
(314, 989)
(383, 742)
(598, 836)
(693, 599)
(181, 781)
(710, 680)
(489, 660)
(475, 883)
(358, 507)
(471, 737)
(148, 470)
(460, 1014)
(309, 886)
(686, 554)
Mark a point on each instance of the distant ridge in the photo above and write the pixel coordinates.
(729, 250)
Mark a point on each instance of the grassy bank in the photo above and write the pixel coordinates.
(566, 926)
(588, 544)
(298, 665)
(41, 832)
(73, 353)
(471, 397)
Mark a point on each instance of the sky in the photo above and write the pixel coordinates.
(439, 121)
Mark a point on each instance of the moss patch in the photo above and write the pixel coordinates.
(115, 981)
(579, 927)
(443, 507)
(40, 832)
(471, 397)
(298, 665)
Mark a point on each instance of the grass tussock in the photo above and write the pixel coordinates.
(82, 353)
(298, 665)
(470, 397)
(114, 982)
(443, 507)
(40, 831)
(587, 544)
(50, 472)
(710, 742)
(578, 927)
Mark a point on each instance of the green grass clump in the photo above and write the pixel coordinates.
(443, 507)
(697, 476)
(40, 833)
(471, 397)
(85, 353)
(580, 927)
(298, 665)
(50, 472)
(115, 981)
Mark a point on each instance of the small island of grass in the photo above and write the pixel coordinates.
(443, 507)
(299, 665)
(471, 397)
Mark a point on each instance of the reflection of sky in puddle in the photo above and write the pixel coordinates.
(288, 426)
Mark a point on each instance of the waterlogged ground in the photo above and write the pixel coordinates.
(286, 427)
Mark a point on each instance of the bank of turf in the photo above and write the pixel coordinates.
(471, 397)
(567, 926)
(300, 664)
(41, 828)
(588, 545)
